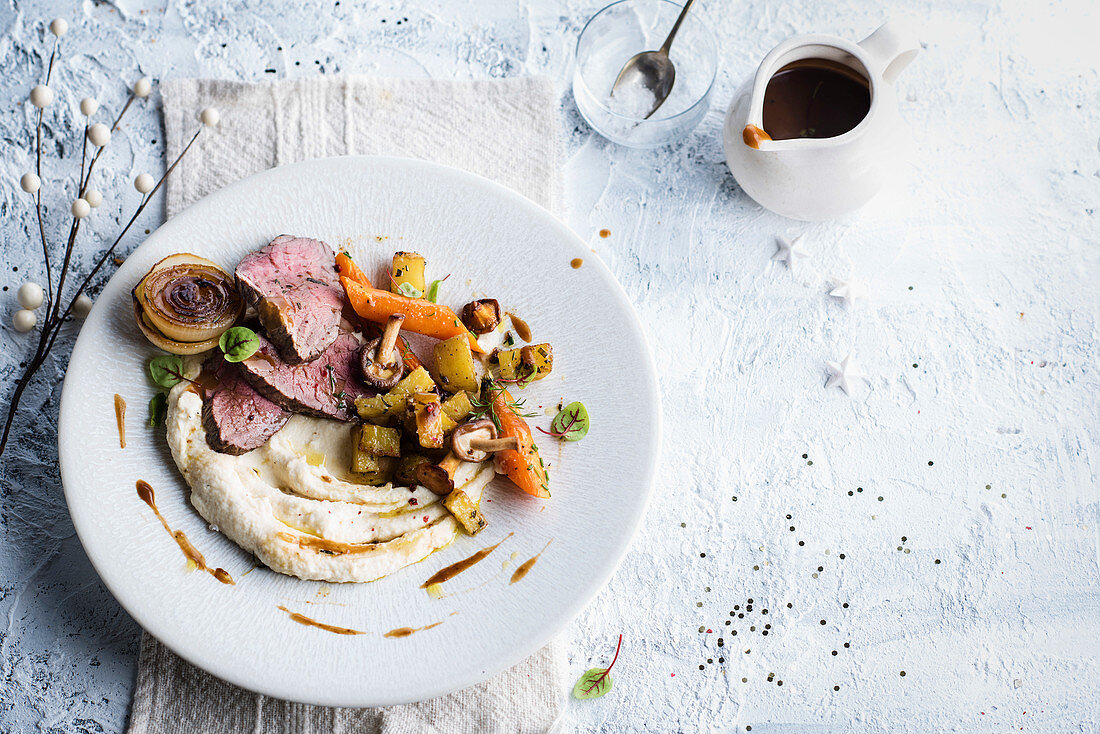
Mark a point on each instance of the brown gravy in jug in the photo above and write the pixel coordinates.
(814, 98)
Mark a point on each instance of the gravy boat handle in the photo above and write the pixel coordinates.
(892, 47)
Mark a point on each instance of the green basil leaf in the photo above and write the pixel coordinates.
(166, 370)
(594, 683)
(409, 290)
(238, 343)
(572, 423)
(158, 409)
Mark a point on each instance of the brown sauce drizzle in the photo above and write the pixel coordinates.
(265, 357)
(328, 546)
(576, 263)
(406, 631)
(145, 492)
(522, 329)
(528, 564)
(449, 572)
(205, 383)
(754, 136)
(120, 419)
(303, 619)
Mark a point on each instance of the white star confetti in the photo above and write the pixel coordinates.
(849, 290)
(844, 374)
(791, 251)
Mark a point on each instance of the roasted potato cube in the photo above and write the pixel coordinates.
(378, 440)
(373, 470)
(454, 364)
(533, 361)
(458, 406)
(408, 267)
(428, 413)
(393, 403)
(465, 511)
(406, 468)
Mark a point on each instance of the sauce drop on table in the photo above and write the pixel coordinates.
(576, 263)
(605, 233)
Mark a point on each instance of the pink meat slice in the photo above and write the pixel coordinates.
(326, 387)
(293, 285)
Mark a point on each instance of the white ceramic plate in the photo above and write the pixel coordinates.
(493, 242)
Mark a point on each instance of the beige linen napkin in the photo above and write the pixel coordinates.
(506, 130)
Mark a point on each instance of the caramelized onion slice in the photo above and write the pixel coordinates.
(185, 302)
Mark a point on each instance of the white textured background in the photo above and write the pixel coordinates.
(980, 339)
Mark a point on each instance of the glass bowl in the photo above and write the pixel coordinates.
(612, 37)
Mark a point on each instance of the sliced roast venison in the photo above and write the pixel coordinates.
(237, 419)
(293, 285)
(326, 387)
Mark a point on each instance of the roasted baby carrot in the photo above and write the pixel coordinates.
(347, 268)
(421, 317)
(524, 467)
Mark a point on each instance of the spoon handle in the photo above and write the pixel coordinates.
(675, 27)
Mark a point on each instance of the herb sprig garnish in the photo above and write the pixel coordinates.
(596, 681)
(571, 424)
(238, 343)
(484, 405)
(166, 371)
(433, 289)
(407, 289)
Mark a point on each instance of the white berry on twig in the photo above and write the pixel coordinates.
(81, 208)
(82, 306)
(144, 183)
(142, 87)
(59, 27)
(210, 117)
(41, 96)
(24, 320)
(93, 197)
(30, 295)
(30, 182)
(99, 134)
(89, 106)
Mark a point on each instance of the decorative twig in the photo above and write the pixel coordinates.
(99, 136)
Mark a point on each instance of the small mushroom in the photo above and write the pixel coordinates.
(474, 441)
(439, 478)
(380, 359)
(482, 316)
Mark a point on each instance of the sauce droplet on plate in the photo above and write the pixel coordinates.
(145, 492)
(310, 622)
(449, 572)
(528, 564)
(522, 329)
(120, 419)
(406, 631)
(576, 263)
(605, 233)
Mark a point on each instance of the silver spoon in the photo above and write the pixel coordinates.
(653, 70)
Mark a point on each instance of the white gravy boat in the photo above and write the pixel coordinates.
(820, 178)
